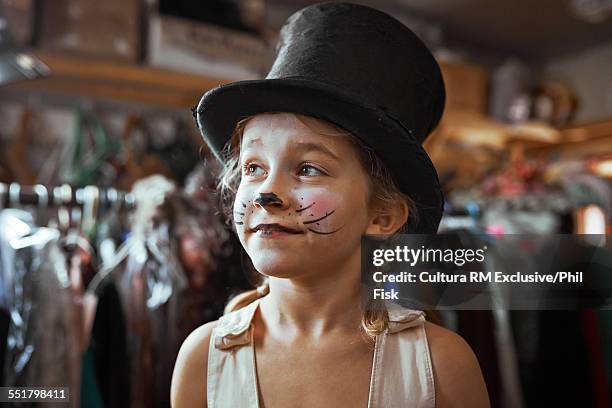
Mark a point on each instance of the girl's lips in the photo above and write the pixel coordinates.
(275, 228)
(275, 233)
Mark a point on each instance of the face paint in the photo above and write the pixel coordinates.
(313, 223)
(267, 198)
(305, 208)
(238, 220)
(317, 222)
(318, 219)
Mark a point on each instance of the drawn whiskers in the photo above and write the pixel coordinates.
(240, 214)
(299, 210)
(324, 233)
(319, 219)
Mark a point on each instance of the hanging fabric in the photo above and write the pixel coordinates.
(180, 155)
(92, 154)
(140, 160)
(149, 278)
(44, 336)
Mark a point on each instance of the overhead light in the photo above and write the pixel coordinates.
(20, 66)
(14, 64)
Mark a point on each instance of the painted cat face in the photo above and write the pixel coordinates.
(302, 200)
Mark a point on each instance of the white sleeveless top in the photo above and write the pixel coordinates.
(402, 374)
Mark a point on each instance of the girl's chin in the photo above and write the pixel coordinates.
(276, 271)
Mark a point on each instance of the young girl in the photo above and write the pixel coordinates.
(322, 151)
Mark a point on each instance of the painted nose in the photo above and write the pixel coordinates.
(268, 200)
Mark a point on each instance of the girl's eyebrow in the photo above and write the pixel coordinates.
(300, 146)
(253, 141)
(308, 146)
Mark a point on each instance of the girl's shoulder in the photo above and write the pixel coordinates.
(190, 370)
(189, 379)
(455, 366)
(456, 369)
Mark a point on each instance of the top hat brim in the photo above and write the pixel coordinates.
(221, 108)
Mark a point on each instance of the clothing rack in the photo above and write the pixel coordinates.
(93, 197)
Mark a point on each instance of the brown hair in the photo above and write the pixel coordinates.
(383, 191)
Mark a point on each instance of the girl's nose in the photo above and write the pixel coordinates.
(269, 201)
(272, 193)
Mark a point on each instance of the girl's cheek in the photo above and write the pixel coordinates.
(241, 208)
(320, 204)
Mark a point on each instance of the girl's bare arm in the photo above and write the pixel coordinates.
(189, 377)
(457, 375)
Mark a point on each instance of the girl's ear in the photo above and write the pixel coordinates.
(387, 220)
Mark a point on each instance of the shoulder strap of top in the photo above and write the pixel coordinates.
(402, 372)
(401, 318)
(231, 374)
(232, 328)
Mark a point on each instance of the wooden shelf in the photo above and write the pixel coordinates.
(591, 138)
(588, 131)
(71, 75)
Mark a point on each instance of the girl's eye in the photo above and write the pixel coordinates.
(308, 170)
(251, 169)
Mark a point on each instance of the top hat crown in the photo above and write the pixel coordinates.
(368, 53)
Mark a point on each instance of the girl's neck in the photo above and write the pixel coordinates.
(310, 308)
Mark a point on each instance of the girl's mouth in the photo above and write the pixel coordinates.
(274, 230)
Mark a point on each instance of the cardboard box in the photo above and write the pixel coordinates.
(19, 16)
(466, 87)
(108, 29)
(206, 49)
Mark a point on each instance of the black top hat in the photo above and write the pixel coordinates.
(360, 69)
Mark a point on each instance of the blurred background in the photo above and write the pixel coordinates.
(111, 245)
